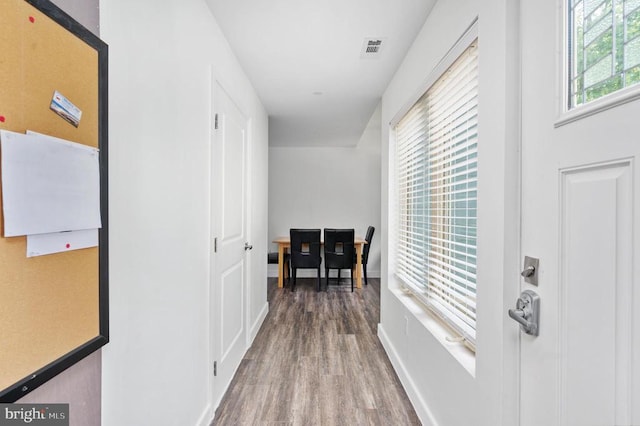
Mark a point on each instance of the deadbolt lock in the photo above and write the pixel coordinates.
(530, 271)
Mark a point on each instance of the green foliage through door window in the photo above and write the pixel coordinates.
(604, 46)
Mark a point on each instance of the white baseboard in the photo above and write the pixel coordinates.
(255, 327)
(207, 416)
(419, 404)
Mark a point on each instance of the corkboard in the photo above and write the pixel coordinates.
(53, 308)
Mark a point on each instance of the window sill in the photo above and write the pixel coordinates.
(465, 356)
(599, 105)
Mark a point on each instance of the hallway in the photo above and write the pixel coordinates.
(317, 361)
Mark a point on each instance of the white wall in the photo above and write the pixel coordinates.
(162, 57)
(328, 187)
(431, 369)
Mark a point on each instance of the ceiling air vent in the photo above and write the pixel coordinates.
(371, 47)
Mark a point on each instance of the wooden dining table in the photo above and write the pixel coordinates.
(284, 243)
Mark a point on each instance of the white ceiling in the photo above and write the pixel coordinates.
(304, 59)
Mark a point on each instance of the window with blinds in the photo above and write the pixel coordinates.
(436, 169)
(604, 48)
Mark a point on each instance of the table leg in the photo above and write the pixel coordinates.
(358, 265)
(280, 262)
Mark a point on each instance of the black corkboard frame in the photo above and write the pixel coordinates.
(45, 12)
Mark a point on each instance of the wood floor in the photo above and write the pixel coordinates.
(317, 361)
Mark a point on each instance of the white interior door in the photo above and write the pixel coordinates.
(580, 218)
(229, 233)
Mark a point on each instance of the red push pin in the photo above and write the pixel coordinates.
(68, 245)
(2, 119)
(32, 19)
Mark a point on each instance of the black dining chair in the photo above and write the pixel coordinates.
(339, 251)
(272, 258)
(305, 252)
(365, 251)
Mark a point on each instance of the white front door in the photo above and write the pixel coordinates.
(229, 233)
(580, 217)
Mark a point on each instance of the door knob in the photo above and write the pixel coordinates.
(527, 312)
(247, 246)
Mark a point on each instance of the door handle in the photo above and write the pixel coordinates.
(247, 246)
(527, 312)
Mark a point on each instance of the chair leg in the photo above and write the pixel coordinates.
(293, 285)
(364, 269)
(318, 279)
(326, 278)
(286, 273)
(351, 281)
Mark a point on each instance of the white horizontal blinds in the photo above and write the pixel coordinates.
(413, 191)
(452, 152)
(437, 171)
